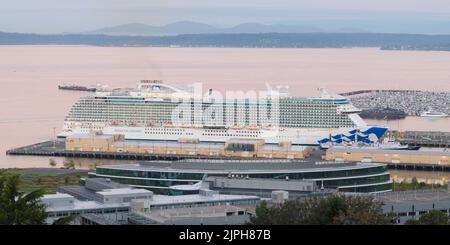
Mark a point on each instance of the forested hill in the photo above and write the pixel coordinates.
(263, 40)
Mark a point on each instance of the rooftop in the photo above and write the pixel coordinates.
(204, 145)
(214, 211)
(172, 144)
(98, 184)
(89, 136)
(245, 166)
(182, 199)
(86, 205)
(379, 151)
(99, 219)
(56, 196)
(79, 192)
(407, 197)
(261, 184)
(123, 191)
(274, 147)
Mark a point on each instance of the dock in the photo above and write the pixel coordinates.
(412, 102)
(425, 139)
(57, 149)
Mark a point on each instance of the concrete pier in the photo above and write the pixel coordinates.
(57, 149)
(422, 138)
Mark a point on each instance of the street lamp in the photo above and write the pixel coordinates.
(54, 137)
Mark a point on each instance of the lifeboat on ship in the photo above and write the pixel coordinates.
(168, 125)
(185, 125)
(235, 127)
(252, 127)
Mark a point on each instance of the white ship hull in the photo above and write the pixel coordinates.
(298, 136)
(434, 116)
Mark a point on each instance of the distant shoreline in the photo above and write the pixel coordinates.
(409, 42)
(213, 47)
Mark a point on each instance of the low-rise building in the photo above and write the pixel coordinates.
(367, 154)
(92, 142)
(206, 208)
(112, 206)
(407, 205)
(264, 188)
(61, 205)
(245, 148)
(111, 203)
(159, 176)
(213, 215)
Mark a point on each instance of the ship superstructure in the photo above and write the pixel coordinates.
(158, 111)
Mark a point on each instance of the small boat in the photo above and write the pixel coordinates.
(431, 113)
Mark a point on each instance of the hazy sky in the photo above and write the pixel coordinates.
(54, 16)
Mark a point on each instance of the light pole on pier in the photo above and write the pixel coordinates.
(54, 137)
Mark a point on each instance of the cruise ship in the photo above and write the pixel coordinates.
(158, 111)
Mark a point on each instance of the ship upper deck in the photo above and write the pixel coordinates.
(159, 91)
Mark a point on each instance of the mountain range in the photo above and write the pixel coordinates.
(190, 27)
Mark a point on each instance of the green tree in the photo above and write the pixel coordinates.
(362, 211)
(336, 209)
(19, 208)
(414, 182)
(412, 222)
(262, 213)
(434, 217)
(65, 220)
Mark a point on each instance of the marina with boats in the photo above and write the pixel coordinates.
(411, 102)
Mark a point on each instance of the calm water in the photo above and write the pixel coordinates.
(32, 108)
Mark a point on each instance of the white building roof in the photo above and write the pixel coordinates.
(124, 191)
(86, 205)
(56, 196)
(167, 200)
